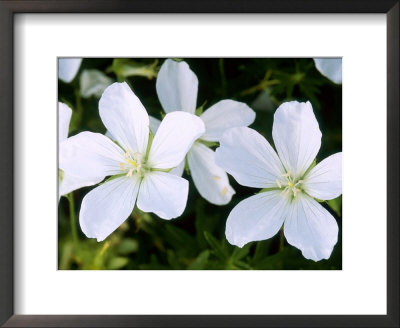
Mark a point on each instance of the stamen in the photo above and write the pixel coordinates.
(278, 183)
(224, 191)
(285, 191)
(137, 156)
(215, 177)
(133, 163)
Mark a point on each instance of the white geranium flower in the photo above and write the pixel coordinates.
(177, 90)
(291, 185)
(330, 67)
(68, 182)
(138, 166)
(93, 83)
(67, 68)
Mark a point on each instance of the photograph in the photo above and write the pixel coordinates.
(199, 163)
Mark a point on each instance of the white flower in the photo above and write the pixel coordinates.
(68, 182)
(138, 166)
(93, 83)
(291, 184)
(67, 68)
(177, 91)
(330, 67)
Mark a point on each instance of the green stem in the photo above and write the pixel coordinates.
(281, 240)
(263, 85)
(72, 216)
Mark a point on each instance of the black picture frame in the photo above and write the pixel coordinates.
(10, 7)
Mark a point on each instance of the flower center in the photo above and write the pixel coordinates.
(291, 185)
(133, 164)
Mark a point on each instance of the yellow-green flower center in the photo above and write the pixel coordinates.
(133, 164)
(290, 185)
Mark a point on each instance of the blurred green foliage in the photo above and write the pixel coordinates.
(196, 240)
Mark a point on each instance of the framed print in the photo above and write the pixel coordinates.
(167, 164)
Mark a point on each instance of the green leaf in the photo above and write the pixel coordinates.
(262, 250)
(173, 260)
(200, 109)
(153, 265)
(242, 265)
(208, 143)
(239, 253)
(274, 262)
(204, 222)
(200, 261)
(124, 67)
(290, 258)
(179, 239)
(336, 205)
(216, 247)
(66, 255)
(117, 263)
(127, 246)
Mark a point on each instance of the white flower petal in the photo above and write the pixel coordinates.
(330, 67)
(174, 137)
(64, 117)
(90, 155)
(70, 183)
(224, 115)
(256, 218)
(249, 158)
(324, 181)
(125, 117)
(311, 228)
(164, 194)
(177, 87)
(154, 124)
(67, 68)
(296, 136)
(179, 169)
(210, 180)
(93, 83)
(106, 207)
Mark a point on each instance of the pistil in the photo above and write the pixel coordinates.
(134, 163)
(290, 184)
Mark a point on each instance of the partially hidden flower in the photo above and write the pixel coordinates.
(177, 87)
(138, 164)
(330, 68)
(66, 181)
(291, 184)
(67, 68)
(93, 83)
